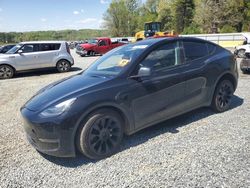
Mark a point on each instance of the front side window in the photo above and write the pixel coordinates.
(102, 43)
(28, 48)
(194, 50)
(165, 56)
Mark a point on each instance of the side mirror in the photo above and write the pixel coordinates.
(144, 72)
(20, 51)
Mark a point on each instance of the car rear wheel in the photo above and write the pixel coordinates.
(6, 72)
(101, 135)
(241, 53)
(63, 66)
(223, 96)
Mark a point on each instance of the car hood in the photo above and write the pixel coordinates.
(63, 90)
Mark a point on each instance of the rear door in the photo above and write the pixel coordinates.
(160, 96)
(196, 75)
(48, 54)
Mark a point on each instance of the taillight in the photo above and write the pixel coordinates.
(67, 47)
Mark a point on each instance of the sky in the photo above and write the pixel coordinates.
(37, 15)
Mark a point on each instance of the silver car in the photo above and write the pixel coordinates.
(36, 55)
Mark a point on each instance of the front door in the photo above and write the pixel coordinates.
(102, 47)
(161, 95)
(28, 58)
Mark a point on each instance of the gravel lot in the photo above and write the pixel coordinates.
(198, 149)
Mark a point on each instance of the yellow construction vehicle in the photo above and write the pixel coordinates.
(153, 29)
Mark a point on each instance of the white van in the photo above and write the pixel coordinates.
(36, 55)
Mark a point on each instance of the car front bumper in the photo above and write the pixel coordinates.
(48, 137)
(245, 64)
(81, 52)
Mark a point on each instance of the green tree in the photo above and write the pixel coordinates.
(165, 15)
(183, 14)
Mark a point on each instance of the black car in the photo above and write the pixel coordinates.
(126, 90)
(6, 48)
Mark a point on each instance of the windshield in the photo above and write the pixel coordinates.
(92, 41)
(116, 60)
(14, 49)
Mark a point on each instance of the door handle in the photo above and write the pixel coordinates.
(12, 57)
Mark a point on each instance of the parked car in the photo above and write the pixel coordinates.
(245, 64)
(242, 49)
(6, 48)
(35, 55)
(126, 90)
(97, 46)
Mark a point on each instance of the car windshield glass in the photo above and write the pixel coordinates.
(14, 49)
(92, 41)
(116, 60)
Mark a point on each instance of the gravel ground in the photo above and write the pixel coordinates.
(198, 149)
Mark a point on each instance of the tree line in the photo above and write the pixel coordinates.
(126, 17)
(68, 35)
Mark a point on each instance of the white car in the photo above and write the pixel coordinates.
(245, 48)
(36, 55)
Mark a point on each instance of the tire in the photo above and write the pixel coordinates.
(6, 72)
(63, 66)
(241, 53)
(92, 53)
(222, 98)
(244, 71)
(101, 134)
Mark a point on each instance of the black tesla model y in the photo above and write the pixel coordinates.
(126, 90)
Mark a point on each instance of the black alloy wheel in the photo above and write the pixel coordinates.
(223, 96)
(102, 134)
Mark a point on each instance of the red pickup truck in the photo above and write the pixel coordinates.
(97, 46)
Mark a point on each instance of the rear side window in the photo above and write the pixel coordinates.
(195, 50)
(50, 47)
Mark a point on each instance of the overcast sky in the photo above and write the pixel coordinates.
(36, 15)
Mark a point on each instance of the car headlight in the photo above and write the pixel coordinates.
(57, 109)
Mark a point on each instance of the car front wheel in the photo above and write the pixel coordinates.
(223, 96)
(100, 136)
(6, 72)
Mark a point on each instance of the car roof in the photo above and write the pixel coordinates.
(103, 38)
(152, 41)
(41, 42)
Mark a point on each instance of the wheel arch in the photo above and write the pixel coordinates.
(9, 66)
(228, 76)
(62, 59)
(128, 123)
